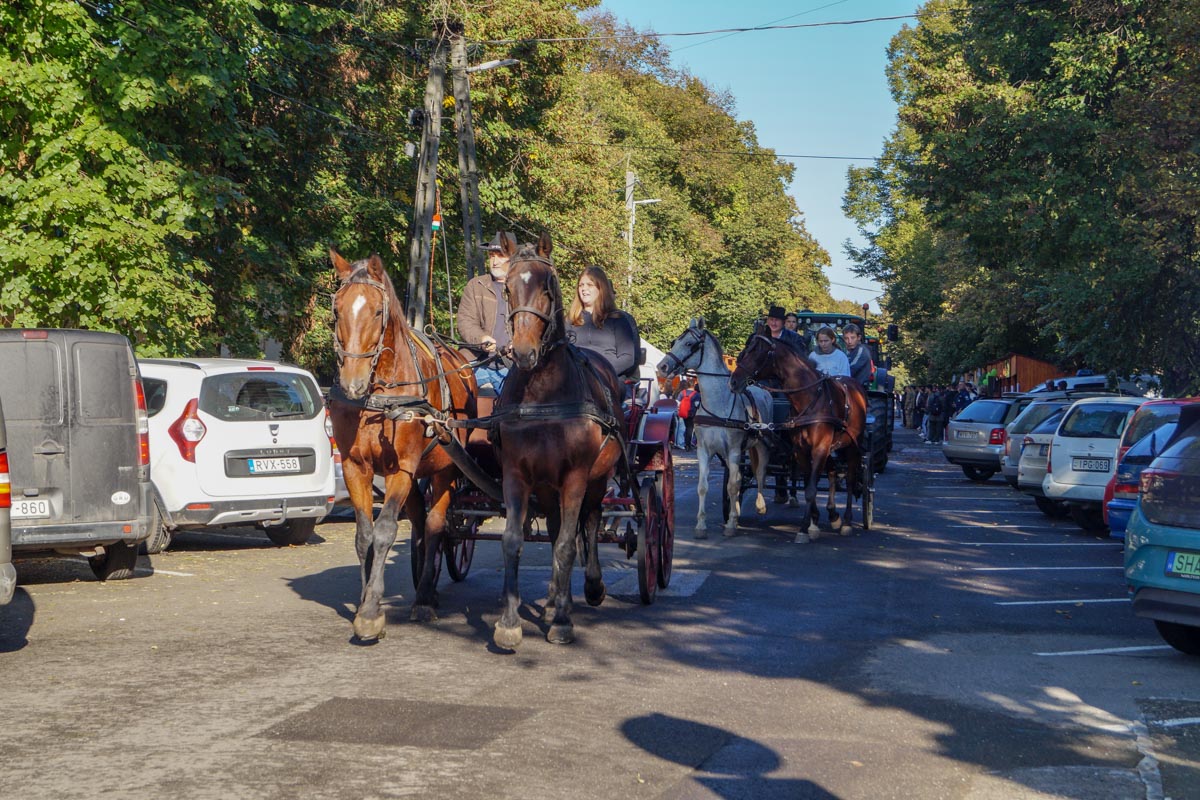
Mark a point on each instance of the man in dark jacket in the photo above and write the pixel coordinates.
(862, 368)
(483, 311)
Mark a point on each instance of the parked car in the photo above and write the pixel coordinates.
(1083, 455)
(1031, 469)
(1026, 420)
(975, 438)
(238, 442)
(8, 573)
(1162, 542)
(1121, 494)
(78, 449)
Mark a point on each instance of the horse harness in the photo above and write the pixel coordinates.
(810, 415)
(551, 336)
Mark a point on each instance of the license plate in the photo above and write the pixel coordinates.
(1090, 464)
(1183, 565)
(964, 434)
(269, 466)
(31, 509)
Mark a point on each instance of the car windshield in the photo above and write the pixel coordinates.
(244, 396)
(1152, 443)
(1034, 415)
(983, 411)
(1095, 421)
(1148, 419)
(1050, 423)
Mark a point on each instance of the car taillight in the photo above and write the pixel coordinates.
(337, 456)
(5, 483)
(143, 424)
(997, 436)
(188, 430)
(1126, 491)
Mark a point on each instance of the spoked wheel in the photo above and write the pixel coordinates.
(868, 492)
(459, 550)
(649, 541)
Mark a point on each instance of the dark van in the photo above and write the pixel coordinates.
(8, 575)
(78, 446)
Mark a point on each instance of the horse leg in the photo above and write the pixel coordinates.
(835, 522)
(733, 487)
(703, 457)
(553, 529)
(758, 462)
(593, 585)
(570, 500)
(507, 634)
(373, 543)
(434, 523)
(810, 505)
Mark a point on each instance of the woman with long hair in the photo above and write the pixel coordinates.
(596, 324)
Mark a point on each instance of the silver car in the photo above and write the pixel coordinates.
(1031, 468)
(1031, 410)
(975, 438)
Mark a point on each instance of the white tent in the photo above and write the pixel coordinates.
(648, 370)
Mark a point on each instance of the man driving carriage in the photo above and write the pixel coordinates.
(483, 313)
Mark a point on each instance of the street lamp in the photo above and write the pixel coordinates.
(500, 62)
(631, 205)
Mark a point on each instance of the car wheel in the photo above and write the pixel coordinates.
(1051, 508)
(160, 534)
(116, 563)
(294, 531)
(1184, 638)
(976, 474)
(1090, 519)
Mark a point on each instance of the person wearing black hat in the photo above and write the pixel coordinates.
(776, 329)
(483, 311)
(781, 408)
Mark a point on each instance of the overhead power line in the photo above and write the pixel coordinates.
(686, 151)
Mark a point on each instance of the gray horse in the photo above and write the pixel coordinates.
(697, 350)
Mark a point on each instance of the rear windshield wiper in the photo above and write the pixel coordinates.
(282, 414)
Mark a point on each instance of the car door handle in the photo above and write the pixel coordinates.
(49, 450)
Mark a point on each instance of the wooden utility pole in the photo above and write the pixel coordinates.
(425, 197)
(468, 170)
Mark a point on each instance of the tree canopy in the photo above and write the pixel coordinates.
(1039, 193)
(177, 171)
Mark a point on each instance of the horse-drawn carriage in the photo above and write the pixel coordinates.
(821, 427)
(557, 445)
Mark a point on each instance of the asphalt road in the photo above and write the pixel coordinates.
(967, 647)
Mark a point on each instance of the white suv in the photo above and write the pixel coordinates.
(1083, 456)
(237, 442)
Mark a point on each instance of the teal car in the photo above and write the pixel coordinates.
(1162, 541)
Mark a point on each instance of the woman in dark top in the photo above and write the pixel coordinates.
(596, 324)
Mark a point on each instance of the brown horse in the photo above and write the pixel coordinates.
(559, 438)
(828, 415)
(387, 379)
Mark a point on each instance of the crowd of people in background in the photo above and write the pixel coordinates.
(928, 409)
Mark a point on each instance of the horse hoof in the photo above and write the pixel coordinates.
(699, 534)
(802, 538)
(814, 535)
(727, 532)
(843, 530)
(507, 638)
(369, 630)
(423, 614)
(561, 634)
(760, 506)
(594, 597)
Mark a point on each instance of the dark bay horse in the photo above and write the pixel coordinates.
(387, 378)
(559, 437)
(829, 415)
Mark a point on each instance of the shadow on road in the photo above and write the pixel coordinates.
(16, 619)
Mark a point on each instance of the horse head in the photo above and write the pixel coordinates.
(686, 352)
(535, 318)
(757, 360)
(363, 307)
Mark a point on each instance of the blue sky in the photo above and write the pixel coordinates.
(811, 91)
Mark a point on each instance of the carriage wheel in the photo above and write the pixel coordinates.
(649, 541)
(868, 491)
(460, 549)
(666, 538)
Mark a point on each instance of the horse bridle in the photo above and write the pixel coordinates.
(551, 337)
(697, 344)
(377, 351)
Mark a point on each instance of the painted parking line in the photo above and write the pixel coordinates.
(982, 511)
(1062, 602)
(1041, 544)
(1024, 526)
(1103, 651)
(153, 571)
(1176, 723)
(1034, 569)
